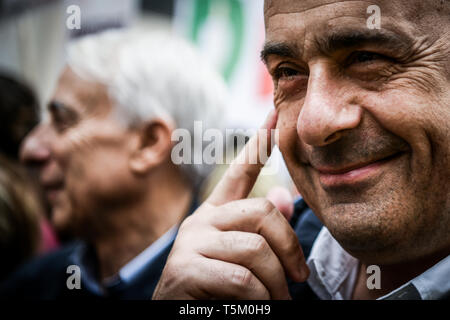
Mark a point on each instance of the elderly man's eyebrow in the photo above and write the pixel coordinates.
(337, 40)
(56, 106)
(281, 49)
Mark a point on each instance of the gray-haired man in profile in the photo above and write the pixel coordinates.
(117, 103)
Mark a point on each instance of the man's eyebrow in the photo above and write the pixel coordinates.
(337, 40)
(57, 108)
(281, 49)
(54, 106)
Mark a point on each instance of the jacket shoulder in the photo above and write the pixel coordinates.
(40, 278)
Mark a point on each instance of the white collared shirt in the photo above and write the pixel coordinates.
(146, 257)
(127, 273)
(334, 273)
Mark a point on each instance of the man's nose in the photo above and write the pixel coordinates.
(35, 149)
(329, 109)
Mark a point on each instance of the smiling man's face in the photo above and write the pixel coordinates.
(364, 119)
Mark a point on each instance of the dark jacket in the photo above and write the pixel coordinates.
(307, 227)
(46, 279)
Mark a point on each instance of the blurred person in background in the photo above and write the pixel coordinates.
(24, 231)
(117, 103)
(19, 114)
(19, 218)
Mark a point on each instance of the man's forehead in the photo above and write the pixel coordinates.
(304, 21)
(74, 91)
(405, 8)
(272, 7)
(297, 13)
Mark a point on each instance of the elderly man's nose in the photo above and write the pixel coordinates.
(35, 149)
(327, 112)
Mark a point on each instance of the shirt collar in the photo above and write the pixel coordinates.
(85, 258)
(334, 272)
(148, 256)
(433, 284)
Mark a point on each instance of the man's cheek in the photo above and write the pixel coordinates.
(287, 123)
(286, 143)
(62, 159)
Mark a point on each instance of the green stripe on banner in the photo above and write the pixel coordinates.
(236, 18)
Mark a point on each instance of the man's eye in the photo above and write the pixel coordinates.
(62, 117)
(364, 57)
(59, 124)
(285, 73)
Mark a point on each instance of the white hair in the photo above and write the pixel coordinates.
(152, 75)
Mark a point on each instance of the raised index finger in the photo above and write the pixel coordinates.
(241, 176)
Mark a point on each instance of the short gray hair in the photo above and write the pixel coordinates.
(152, 75)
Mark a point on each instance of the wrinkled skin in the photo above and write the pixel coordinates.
(364, 128)
(351, 103)
(92, 148)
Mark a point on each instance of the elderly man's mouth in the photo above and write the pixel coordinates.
(354, 174)
(52, 192)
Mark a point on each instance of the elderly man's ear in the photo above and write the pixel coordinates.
(153, 146)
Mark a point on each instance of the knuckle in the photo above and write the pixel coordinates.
(199, 217)
(255, 243)
(186, 224)
(171, 273)
(176, 263)
(234, 206)
(182, 270)
(243, 278)
(192, 223)
(266, 210)
(290, 250)
(292, 245)
(267, 206)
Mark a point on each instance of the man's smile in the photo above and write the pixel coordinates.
(354, 174)
(52, 192)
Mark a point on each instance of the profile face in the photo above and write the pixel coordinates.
(36, 154)
(92, 149)
(364, 120)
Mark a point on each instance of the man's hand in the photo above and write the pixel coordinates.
(233, 247)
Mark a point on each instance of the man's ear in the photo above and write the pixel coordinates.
(154, 146)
